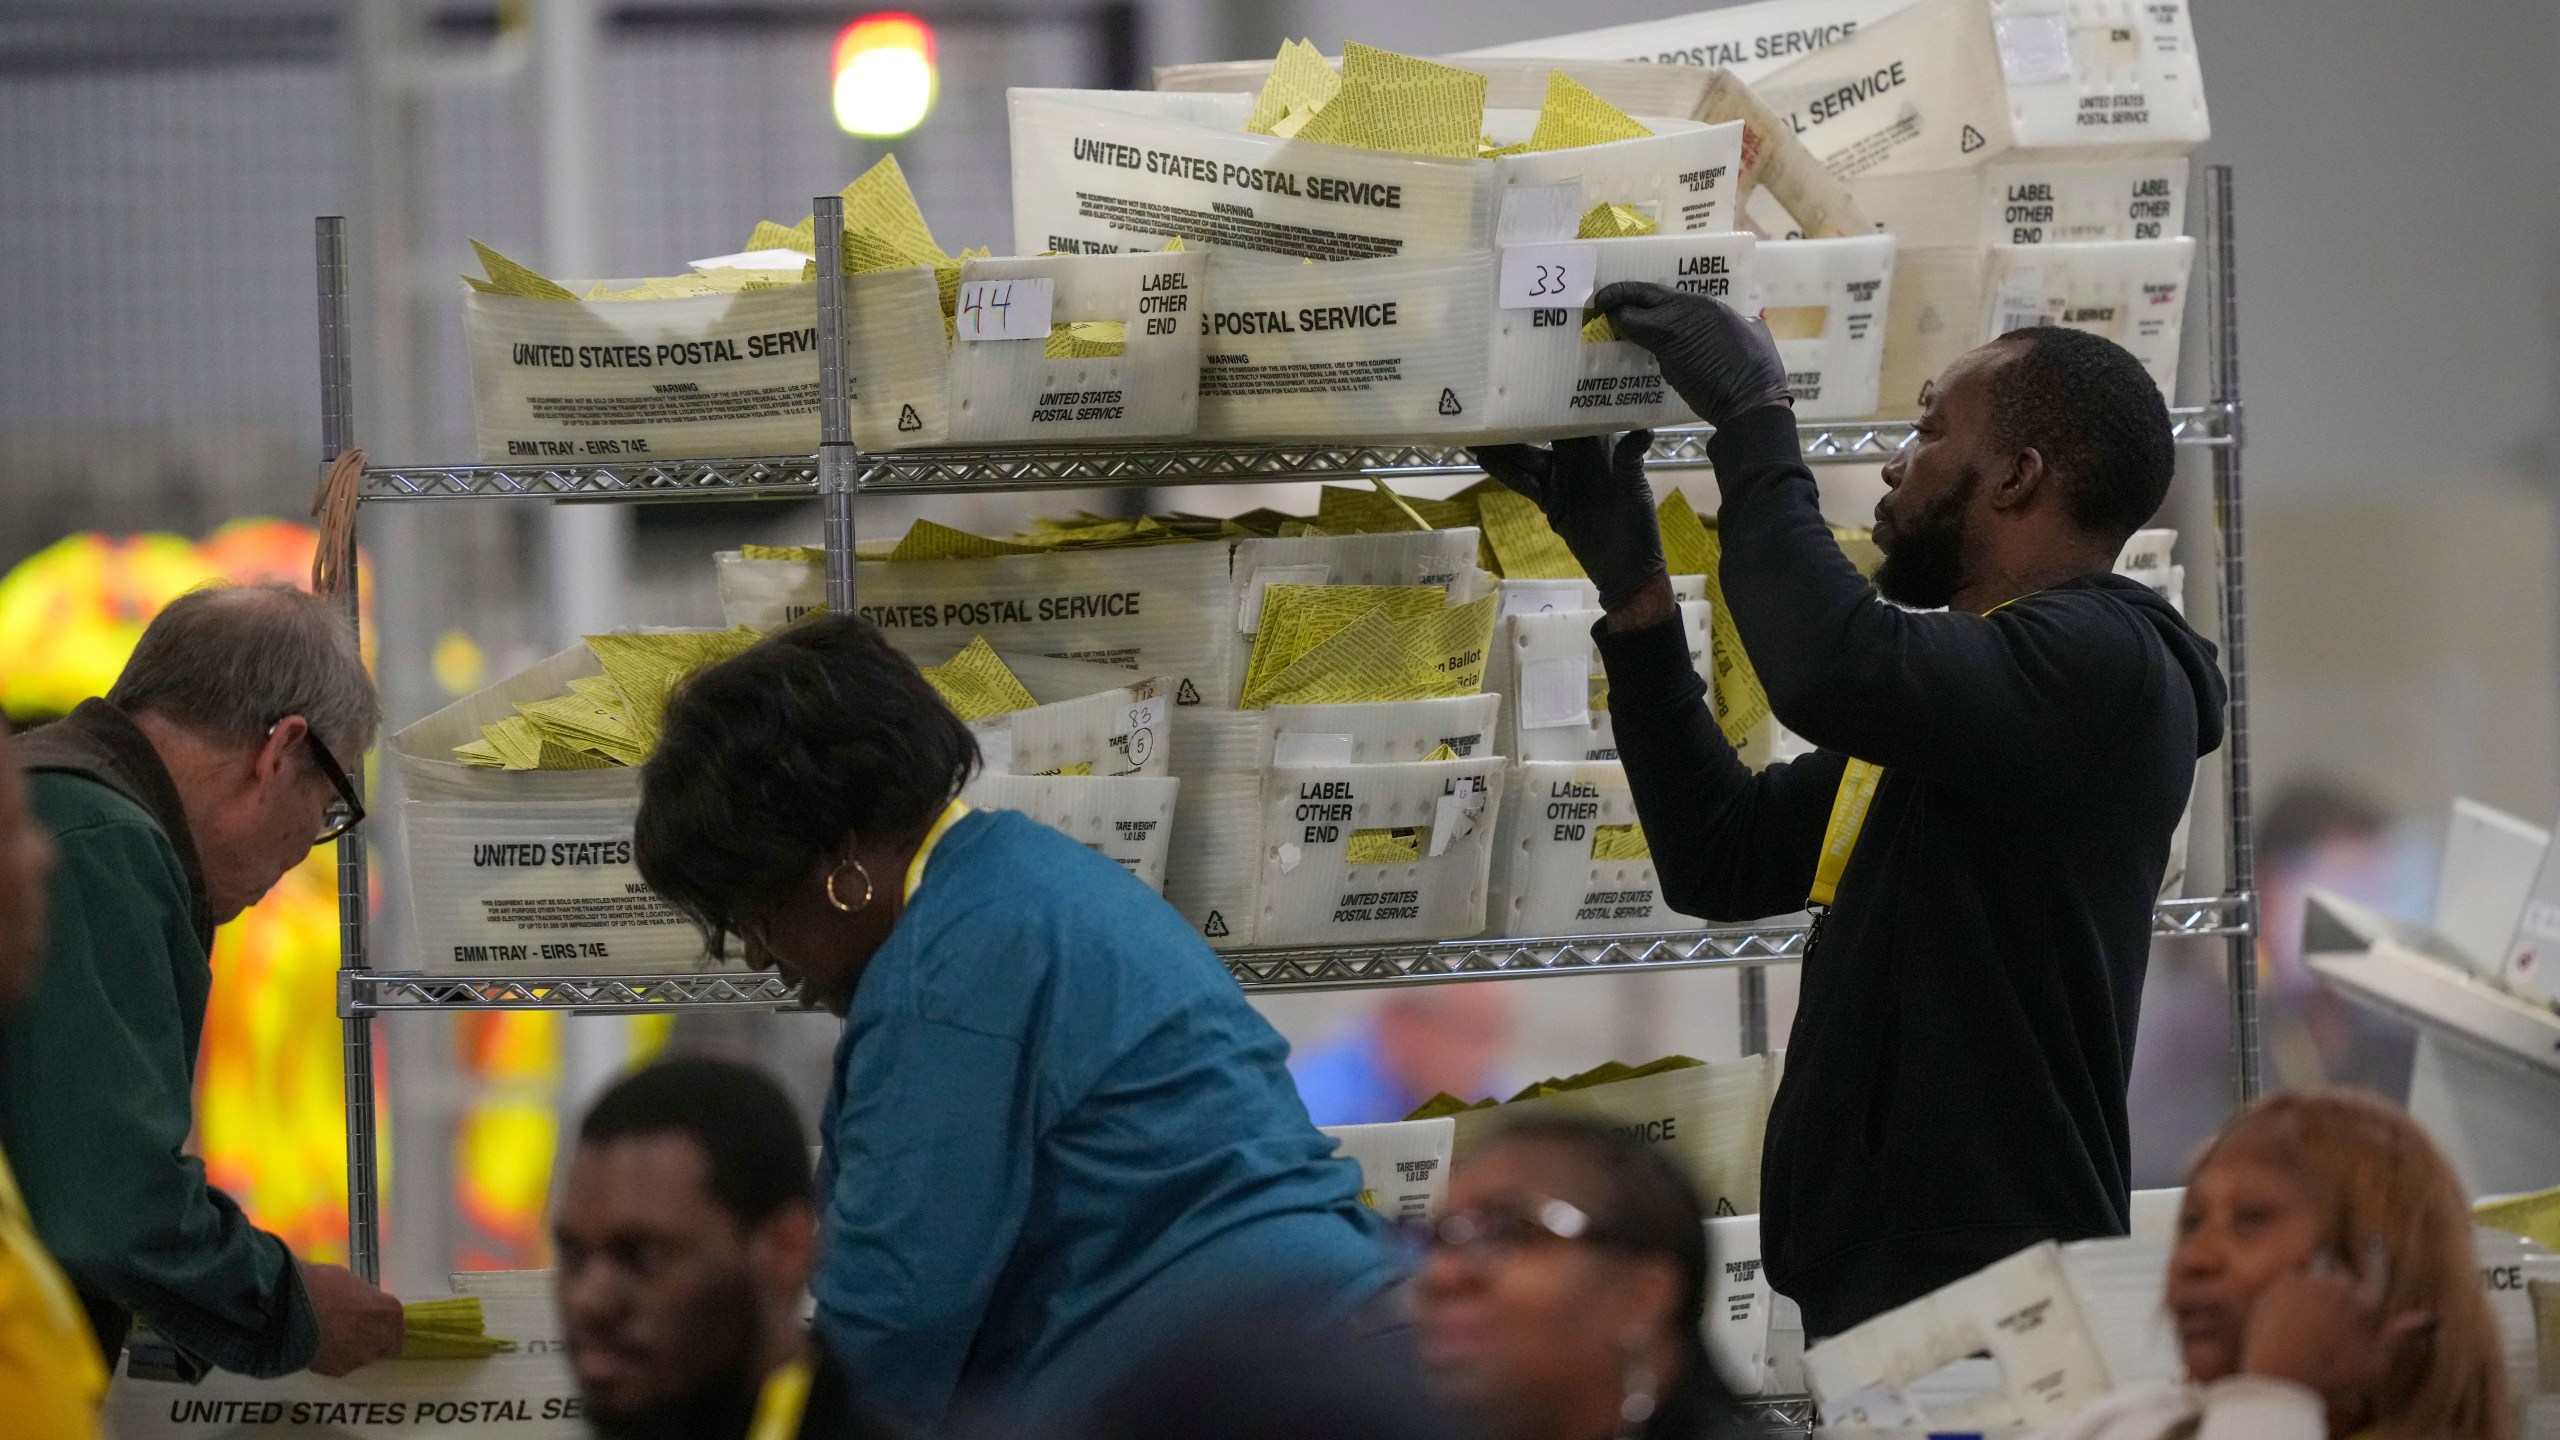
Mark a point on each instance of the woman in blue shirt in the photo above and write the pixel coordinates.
(1056, 1132)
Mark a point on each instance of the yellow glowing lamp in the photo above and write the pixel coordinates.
(884, 76)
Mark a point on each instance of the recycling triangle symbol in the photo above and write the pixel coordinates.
(1189, 694)
(1724, 1205)
(1216, 929)
(1931, 322)
(1971, 140)
(1449, 403)
(908, 419)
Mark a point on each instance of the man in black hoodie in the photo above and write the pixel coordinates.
(1983, 831)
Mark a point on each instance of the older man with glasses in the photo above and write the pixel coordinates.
(214, 765)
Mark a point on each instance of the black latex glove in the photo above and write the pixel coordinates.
(1722, 362)
(1595, 496)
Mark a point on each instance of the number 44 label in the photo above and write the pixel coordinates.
(1542, 277)
(1004, 309)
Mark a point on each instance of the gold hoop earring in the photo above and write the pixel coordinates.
(868, 890)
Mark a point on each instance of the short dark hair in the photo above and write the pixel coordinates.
(229, 661)
(2084, 403)
(768, 760)
(752, 1146)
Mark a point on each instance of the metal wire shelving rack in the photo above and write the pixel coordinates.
(839, 470)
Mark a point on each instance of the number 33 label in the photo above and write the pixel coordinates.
(1540, 277)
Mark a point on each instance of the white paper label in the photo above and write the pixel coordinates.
(1249, 615)
(2034, 49)
(1291, 748)
(1454, 818)
(1538, 597)
(1544, 277)
(995, 750)
(1555, 692)
(2023, 303)
(1005, 309)
(1140, 730)
(1536, 214)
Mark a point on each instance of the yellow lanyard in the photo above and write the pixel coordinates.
(1849, 805)
(1858, 782)
(785, 1397)
(951, 815)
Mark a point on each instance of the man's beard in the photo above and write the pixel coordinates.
(729, 1378)
(1925, 567)
(721, 1410)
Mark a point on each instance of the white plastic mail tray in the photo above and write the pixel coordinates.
(1126, 730)
(1126, 818)
(2044, 1362)
(1404, 1164)
(1214, 876)
(1326, 827)
(1389, 348)
(1550, 379)
(1825, 301)
(2039, 202)
(1159, 610)
(1100, 172)
(599, 381)
(1549, 874)
(1378, 733)
(1011, 391)
(1547, 672)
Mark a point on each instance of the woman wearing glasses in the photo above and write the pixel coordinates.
(1565, 1287)
(1056, 1133)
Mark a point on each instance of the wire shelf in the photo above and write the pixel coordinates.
(1003, 468)
(1295, 970)
(1785, 1414)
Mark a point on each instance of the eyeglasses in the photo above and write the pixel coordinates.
(344, 813)
(1501, 1230)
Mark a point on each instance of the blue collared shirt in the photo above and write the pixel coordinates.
(1057, 1131)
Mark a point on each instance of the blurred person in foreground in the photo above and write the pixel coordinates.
(50, 1378)
(685, 1237)
(1417, 1043)
(1267, 1380)
(1056, 1132)
(2323, 1286)
(216, 762)
(1565, 1290)
(1985, 824)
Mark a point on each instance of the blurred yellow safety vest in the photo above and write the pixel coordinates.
(51, 1379)
(784, 1399)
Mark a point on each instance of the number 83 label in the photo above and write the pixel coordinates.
(1538, 277)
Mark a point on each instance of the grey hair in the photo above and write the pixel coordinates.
(229, 661)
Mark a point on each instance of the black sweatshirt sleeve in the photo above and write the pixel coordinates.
(2005, 705)
(1727, 844)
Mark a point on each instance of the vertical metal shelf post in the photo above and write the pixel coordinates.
(1753, 981)
(839, 461)
(337, 436)
(2222, 338)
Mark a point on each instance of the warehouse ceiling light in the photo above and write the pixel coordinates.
(884, 75)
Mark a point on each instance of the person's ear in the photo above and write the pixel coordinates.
(786, 1250)
(2017, 482)
(280, 752)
